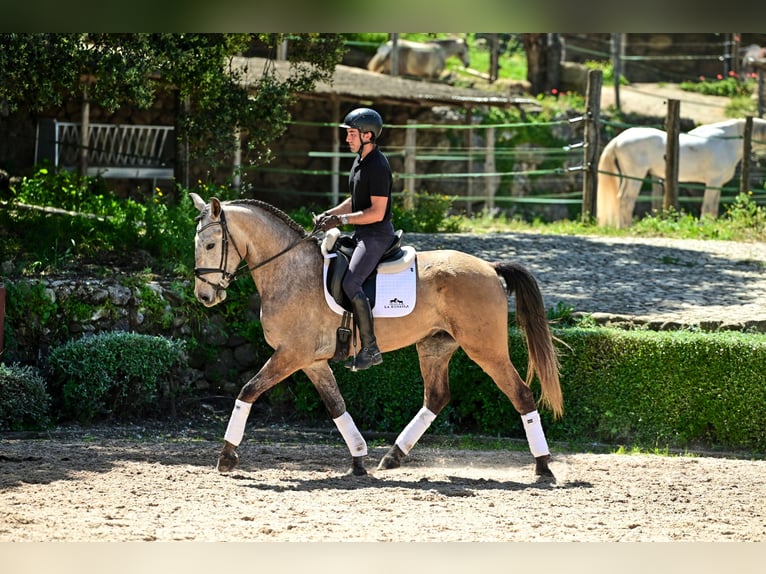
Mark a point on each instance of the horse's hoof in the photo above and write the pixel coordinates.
(392, 459)
(542, 470)
(227, 460)
(357, 466)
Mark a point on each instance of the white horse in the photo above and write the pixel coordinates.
(422, 59)
(708, 154)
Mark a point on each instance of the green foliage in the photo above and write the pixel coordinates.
(607, 70)
(430, 214)
(663, 388)
(529, 143)
(98, 226)
(382, 400)
(24, 400)
(744, 220)
(30, 307)
(644, 388)
(115, 375)
(46, 70)
(729, 86)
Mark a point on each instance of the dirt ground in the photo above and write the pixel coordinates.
(651, 99)
(140, 485)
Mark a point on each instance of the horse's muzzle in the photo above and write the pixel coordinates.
(209, 294)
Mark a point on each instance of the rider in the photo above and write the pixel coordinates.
(368, 209)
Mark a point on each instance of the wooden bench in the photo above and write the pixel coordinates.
(115, 150)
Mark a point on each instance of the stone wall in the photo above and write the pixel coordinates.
(54, 310)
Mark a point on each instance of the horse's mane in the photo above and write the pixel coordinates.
(289, 221)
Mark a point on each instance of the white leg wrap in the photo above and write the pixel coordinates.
(535, 435)
(413, 431)
(236, 428)
(354, 439)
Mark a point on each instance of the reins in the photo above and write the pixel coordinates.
(226, 276)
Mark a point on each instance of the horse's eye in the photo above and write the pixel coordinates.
(209, 246)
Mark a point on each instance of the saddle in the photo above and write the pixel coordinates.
(342, 245)
(395, 262)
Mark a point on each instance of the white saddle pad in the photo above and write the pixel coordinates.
(394, 291)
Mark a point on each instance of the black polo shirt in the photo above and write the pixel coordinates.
(368, 177)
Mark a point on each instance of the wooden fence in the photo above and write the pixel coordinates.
(483, 178)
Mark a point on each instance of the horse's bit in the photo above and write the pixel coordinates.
(226, 276)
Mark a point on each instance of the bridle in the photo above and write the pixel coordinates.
(226, 276)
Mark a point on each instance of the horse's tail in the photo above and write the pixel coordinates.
(531, 317)
(607, 200)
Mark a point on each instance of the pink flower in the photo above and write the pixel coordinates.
(719, 77)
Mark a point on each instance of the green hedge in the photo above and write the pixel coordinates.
(116, 375)
(24, 399)
(649, 389)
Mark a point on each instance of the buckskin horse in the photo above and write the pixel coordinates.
(707, 154)
(460, 302)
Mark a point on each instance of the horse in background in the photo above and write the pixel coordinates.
(422, 59)
(708, 154)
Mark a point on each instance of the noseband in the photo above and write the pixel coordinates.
(226, 276)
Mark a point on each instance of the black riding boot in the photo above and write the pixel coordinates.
(370, 354)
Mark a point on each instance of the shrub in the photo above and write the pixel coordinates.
(115, 375)
(24, 400)
(430, 214)
(645, 388)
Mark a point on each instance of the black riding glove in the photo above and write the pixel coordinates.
(326, 222)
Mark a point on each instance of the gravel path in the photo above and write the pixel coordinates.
(664, 283)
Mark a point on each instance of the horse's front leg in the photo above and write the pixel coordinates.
(322, 377)
(272, 372)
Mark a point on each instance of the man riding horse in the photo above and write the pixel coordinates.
(368, 209)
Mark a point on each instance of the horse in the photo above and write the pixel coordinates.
(708, 154)
(422, 59)
(461, 301)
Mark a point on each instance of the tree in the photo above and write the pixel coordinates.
(45, 70)
(543, 56)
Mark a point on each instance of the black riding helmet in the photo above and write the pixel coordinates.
(364, 120)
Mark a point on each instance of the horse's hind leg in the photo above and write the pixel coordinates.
(324, 381)
(498, 366)
(434, 354)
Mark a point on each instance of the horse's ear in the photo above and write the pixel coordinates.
(215, 207)
(199, 203)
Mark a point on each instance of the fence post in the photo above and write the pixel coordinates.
(617, 48)
(591, 143)
(410, 146)
(335, 163)
(494, 58)
(747, 146)
(672, 128)
(394, 54)
(84, 127)
(469, 162)
(489, 168)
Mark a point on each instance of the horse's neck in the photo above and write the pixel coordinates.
(271, 248)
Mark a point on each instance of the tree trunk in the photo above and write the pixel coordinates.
(534, 46)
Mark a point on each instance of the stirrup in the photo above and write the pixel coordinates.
(366, 358)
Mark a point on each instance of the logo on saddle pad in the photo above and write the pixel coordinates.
(391, 289)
